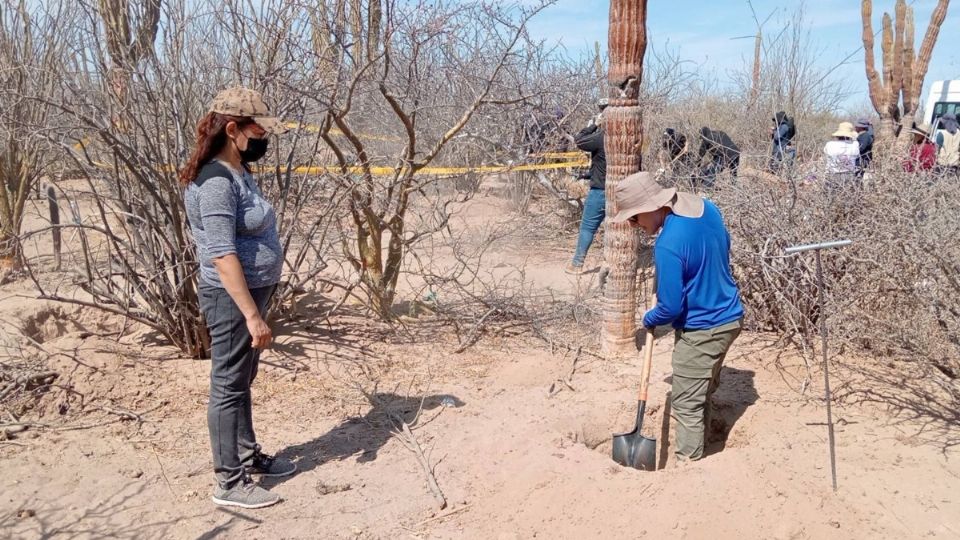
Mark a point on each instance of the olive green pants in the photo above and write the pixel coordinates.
(697, 358)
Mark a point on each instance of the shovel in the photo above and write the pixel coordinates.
(633, 449)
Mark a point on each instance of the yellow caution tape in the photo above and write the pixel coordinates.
(387, 171)
(435, 171)
(560, 155)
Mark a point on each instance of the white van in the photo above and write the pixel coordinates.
(944, 98)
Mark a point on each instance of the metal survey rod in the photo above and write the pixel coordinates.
(817, 248)
(822, 245)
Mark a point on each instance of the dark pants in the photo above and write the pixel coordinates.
(783, 157)
(594, 210)
(233, 367)
(707, 175)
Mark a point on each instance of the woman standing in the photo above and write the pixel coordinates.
(240, 256)
(923, 153)
(842, 154)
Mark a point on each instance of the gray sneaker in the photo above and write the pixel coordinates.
(246, 494)
(265, 465)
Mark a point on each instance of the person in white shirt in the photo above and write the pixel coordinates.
(948, 145)
(843, 152)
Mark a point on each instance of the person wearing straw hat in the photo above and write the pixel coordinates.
(923, 153)
(241, 258)
(696, 295)
(843, 152)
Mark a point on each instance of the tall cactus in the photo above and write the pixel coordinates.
(331, 27)
(374, 18)
(127, 45)
(623, 142)
(895, 94)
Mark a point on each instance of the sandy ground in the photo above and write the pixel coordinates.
(517, 452)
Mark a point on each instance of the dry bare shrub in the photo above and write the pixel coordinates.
(30, 51)
(24, 376)
(892, 294)
(135, 256)
(432, 73)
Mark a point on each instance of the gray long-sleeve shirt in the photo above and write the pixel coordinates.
(228, 215)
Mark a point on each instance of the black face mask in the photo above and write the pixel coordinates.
(256, 149)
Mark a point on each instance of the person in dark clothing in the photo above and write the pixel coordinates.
(783, 153)
(674, 143)
(722, 152)
(673, 150)
(590, 139)
(534, 133)
(865, 138)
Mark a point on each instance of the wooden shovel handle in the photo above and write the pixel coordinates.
(647, 361)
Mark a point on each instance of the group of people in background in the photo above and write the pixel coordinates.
(717, 153)
(850, 152)
(847, 155)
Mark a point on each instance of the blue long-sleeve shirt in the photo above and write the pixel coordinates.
(695, 288)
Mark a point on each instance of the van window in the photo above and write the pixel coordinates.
(943, 107)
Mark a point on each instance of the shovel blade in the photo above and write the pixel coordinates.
(634, 450)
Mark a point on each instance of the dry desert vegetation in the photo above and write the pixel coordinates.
(435, 373)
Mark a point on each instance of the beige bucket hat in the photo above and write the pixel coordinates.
(846, 130)
(639, 193)
(239, 101)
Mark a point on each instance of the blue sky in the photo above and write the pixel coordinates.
(701, 31)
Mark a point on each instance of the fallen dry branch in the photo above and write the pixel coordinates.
(27, 382)
(404, 434)
(476, 332)
(444, 515)
(122, 416)
(568, 380)
(409, 440)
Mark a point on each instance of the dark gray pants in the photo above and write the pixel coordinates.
(233, 367)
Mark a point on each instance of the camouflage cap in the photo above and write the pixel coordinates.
(239, 101)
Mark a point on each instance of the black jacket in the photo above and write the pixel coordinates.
(590, 139)
(673, 143)
(720, 147)
(865, 138)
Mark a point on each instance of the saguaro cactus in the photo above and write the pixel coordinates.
(896, 93)
(127, 44)
(623, 142)
(332, 24)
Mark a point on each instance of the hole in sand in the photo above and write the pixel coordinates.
(48, 324)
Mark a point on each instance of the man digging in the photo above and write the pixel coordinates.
(696, 294)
